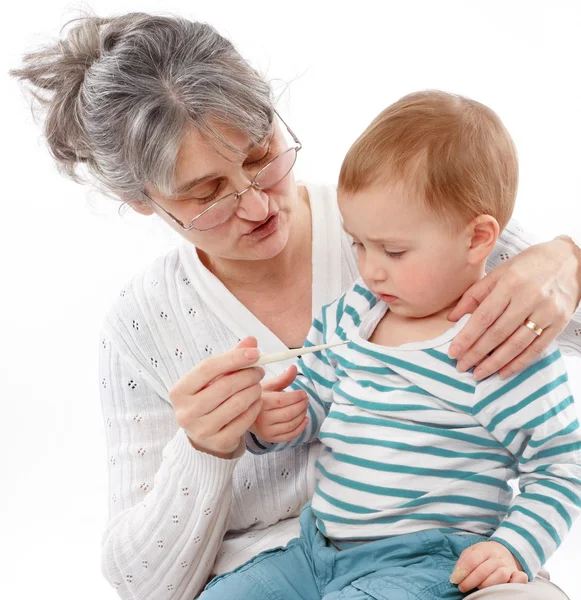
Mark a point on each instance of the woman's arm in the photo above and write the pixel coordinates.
(541, 283)
(169, 503)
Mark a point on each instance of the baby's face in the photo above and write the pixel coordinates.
(405, 255)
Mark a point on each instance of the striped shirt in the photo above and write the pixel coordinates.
(412, 444)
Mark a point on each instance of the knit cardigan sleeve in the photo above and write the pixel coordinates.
(167, 524)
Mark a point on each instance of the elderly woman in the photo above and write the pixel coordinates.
(165, 115)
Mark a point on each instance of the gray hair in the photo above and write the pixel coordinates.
(120, 93)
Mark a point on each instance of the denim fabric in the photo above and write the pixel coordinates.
(407, 567)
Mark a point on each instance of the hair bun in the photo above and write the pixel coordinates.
(54, 75)
(84, 40)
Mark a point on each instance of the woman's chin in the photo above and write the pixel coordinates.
(270, 248)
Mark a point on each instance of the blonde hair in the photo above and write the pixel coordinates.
(454, 151)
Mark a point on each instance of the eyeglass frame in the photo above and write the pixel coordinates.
(237, 195)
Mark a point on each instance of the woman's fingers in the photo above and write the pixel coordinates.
(506, 339)
(538, 284)
(539, 345)
(237, 427)
(205, 427)
(516, 353)
(487, 312)
(200, 376)
(223, 388)
(475, 295)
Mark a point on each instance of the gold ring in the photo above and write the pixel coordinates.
(533, 327)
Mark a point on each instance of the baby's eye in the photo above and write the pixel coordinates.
(395, 254)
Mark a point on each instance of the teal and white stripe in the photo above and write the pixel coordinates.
(412, 444)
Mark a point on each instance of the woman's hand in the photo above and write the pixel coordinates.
(216, 403)
(541, 284)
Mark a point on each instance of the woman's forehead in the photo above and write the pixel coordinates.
(201, 157)
(196, 146)
(198, 156)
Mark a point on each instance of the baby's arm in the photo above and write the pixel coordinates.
(532, 415)
(294, 416)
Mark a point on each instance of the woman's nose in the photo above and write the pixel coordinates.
(253, 205)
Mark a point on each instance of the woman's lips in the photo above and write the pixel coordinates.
(264, 229)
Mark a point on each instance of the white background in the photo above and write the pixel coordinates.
(65, 252)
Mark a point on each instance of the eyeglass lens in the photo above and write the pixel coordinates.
(270, 175)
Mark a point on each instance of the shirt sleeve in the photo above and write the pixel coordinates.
(316, 376)
(169, 503)
(515, 239)
(533, 416)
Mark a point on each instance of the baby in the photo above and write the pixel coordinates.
(412, 498)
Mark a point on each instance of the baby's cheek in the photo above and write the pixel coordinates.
(419, 282)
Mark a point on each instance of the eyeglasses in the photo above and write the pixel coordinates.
(222, 209)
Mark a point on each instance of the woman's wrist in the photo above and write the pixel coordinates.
(575, 246)
(227, 455)
(236, 453)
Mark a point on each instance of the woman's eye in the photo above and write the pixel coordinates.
(210, 197)
(259, 161)
(207, 193)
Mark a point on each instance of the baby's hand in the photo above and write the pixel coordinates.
(485, 564)
(283, 414)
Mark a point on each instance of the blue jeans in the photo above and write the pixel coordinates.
(415, 566)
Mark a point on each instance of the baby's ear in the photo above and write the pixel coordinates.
(484, 231)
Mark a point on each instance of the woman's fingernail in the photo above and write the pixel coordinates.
(251, 353)
(454, 351)
(462, 366)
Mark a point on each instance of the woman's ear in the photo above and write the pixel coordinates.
(140, 206)
(483, 231)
